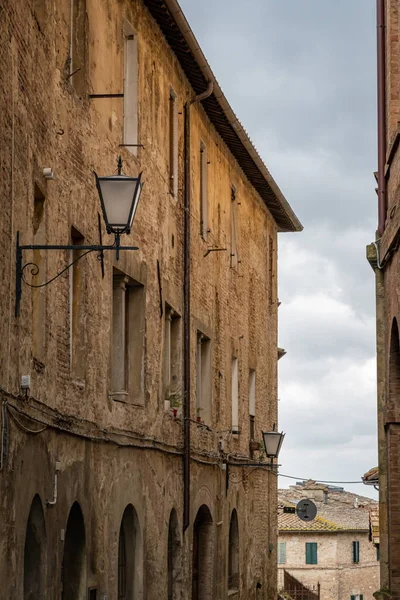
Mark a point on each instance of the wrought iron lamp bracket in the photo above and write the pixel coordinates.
(34, 268)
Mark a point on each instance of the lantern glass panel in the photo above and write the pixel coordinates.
(119, 194)
(272, 441)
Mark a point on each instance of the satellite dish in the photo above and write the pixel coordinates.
(306, 510)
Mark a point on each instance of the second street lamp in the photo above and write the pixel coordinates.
(119, 197)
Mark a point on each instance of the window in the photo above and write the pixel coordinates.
(356, 552)
(378, 552)
(311, 553)
(76, 308)
(203, 379)
(77, 64)
(39, 294)
(252, 402)
(203, 192)
(233, 553)
(128, 336)
(356, 597)
(172, 353)
(281, 553)
(130, 89)
(173, 143)
(235, 395)
(234, 249)
(271, 276)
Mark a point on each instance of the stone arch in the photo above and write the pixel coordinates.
(203, 555)
(35, 553)
(73, 575)
(174, 559)
(130, 557)
(394, 368)
(233, 553)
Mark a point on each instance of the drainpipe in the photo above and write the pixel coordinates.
(381, 75)
(186, 307)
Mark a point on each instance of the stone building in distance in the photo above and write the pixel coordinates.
(143, 378)
(335, 555)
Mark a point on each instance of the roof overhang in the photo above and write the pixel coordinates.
(172, 22)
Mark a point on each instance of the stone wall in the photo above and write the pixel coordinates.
(112, 454)
(338, 576)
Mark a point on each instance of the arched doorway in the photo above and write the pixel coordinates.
(174, 561)
(233, 553)
(203, 555)
(73, 575)
(35, 553)
(130, 557)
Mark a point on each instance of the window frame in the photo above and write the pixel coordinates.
(311, 553)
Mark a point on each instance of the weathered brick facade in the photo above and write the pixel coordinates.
(120, 459)
(385, 259)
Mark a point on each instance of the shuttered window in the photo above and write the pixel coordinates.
(311, 553)
(378, 552)
(356, 552)
(357, 597)
(281, 553)
(203, 192)
(173, 143)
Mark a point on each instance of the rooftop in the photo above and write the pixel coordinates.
(340, 511)
(182, 41)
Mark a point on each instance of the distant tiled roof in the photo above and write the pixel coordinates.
(291, 522)
(343, 511)
(374, 524)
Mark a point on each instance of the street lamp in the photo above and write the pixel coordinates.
(273, 441)
(119, 197)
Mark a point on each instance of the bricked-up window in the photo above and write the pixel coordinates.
(234, 233)
(74, 560)
(252, 402)
(173, 143)
(128, 338)
(174, 561)
(130, 89)
(203, 192)
(203, 555)
(130, 556)
(35, 553)
(172, 354)
(78, 46)
(311, 553)
(39, 294)
(235, 394)
(356, 552)
(271, 271)
(233, 553)
(203, 378)
(40, 13)
(281, 553)
(76, 308)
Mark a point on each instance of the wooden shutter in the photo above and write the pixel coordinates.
(311, 553)
(356, 552)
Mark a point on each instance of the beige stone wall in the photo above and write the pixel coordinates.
(115, 453)
(338, 576)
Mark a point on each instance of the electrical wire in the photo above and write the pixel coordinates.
(319, 480)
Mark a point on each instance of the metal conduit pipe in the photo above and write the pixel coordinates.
(186, 306)
(381, 85)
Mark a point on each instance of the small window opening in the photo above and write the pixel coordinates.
(356, 552)
(233, 553)
(252, 402)
(39, 294)
(235, 394)
(203, 192)
(131, 89)
(173, 143)
(234, 244)
(203, 379)
(78, 46)
(172, 355)
(77, 308)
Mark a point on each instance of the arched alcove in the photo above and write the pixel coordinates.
(74, 559)
(174, 561)
(394, 368)
(233, 553)
(35, 553)
(203, 555)
(130, 557)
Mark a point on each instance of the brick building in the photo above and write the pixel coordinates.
(149, 375)
(335, 555)
(384, 258)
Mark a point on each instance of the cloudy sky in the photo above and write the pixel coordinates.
(300, 75)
